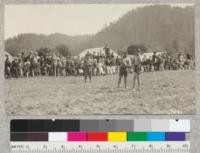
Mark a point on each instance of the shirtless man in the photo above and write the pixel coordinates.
(137, 69)
(123, 69)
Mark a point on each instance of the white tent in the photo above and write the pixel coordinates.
(96, 51)
(147, 55)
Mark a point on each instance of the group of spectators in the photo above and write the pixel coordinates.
(50, 64)
(163, 61)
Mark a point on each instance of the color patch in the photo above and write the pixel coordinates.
(117, 136)
(57, 136)
(175, 136)
(124, 125)
(18, 136)
(18, 125)
(156, 136)
(77, 136)
(107, 125)
(89, 125)
(137, 136)
(37, 136)
(142, 125)
(179, 125)
(158, 125)
(97, 136)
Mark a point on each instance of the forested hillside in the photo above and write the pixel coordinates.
(157, 27)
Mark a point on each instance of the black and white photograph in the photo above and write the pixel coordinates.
(99, 59)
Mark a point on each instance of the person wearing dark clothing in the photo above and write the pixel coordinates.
(123, 69)
(15, 68)
(7, 67)
(155, 61)
(88, 68)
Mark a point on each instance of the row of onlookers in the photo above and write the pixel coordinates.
(34, 65)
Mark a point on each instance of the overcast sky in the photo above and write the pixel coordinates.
(76, 19)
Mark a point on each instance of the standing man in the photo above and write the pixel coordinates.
(55, 64)
(88, 67)
(136, 69)
(7, 67)
(123, 69)
(155, 61)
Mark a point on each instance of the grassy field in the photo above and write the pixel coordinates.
(170, 92)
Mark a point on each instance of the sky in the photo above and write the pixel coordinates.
(70, 19)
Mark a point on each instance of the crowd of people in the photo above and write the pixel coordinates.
(93, 64)
(163, 61)
(50, 64)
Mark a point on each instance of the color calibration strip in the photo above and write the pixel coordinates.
(138, 125)
(99, 130)
(99, 136)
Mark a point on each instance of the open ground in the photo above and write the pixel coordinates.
(165, 92)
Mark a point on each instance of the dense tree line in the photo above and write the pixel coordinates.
(157, 27)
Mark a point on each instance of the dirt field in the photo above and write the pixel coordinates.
(170, 92)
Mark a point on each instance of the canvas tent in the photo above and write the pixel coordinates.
(98, 50)
(147, 55)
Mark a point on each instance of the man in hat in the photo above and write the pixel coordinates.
(123, 69)
(136, 69)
